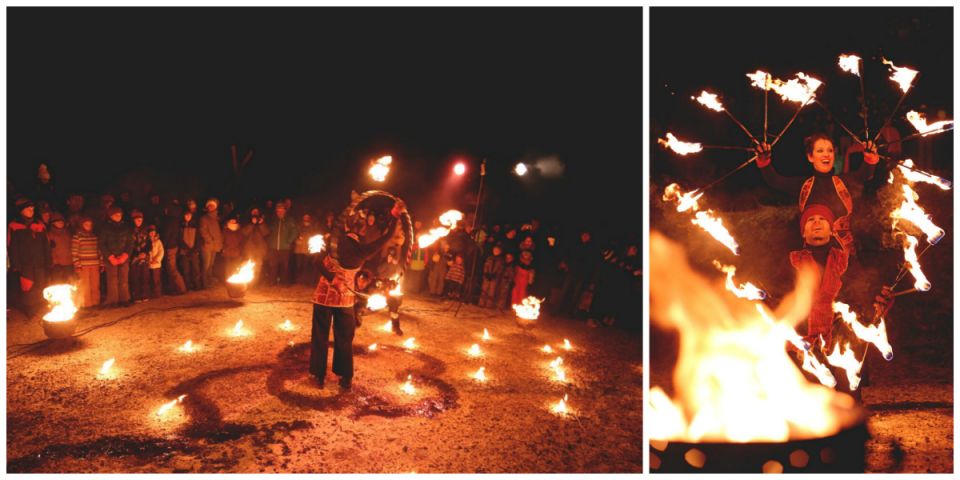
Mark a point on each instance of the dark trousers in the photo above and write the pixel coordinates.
(139, 280)
(189, 263)
(155, 283)
(344, 326)
(175, 283)
(277, 265)
(118, 287)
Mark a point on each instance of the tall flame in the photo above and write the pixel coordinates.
(913, 264)
(747, 290)
(913, 175)
(709, 100)
(316, 244)
(529, 308)
(760, 79)
(449, 221)
(847, 360)
(902, 76)
(244, 273)
(238, 330)
(801, 89)
(733, 382)
(105, 369)
(714, 226)
(676, 145)
(60, 298)
(387, 327)
(874, 334)
(850, 63)
(380, 168)
(919, 121)
(474, 350)
(913, 213)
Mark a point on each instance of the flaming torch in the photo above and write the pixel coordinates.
(847, 360)
(874, 334)
(714, 226)
(903, 77)
(919, 121)
(59, 323)
(710, 101)
(238, 282)
(682, 148)
(379, 168)
(912, 175)
(527, 312)
(913, 213)
(851, 64)
(315, 244)
(746, 290)
(912, 264)
(449, 221)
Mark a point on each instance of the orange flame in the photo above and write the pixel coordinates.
(913, 175)
(408, 387)
(546, 349)
(380, 168)
(479, 375)
(474, 350)
(244, 273)
(714, 226)
(167, 406)
(372, 347)
(566, 345)
(850, 63)
(913, 264)
(848, 362)
(560, 408)
(376, 302)
(760, 79)
(801, 90)
(315, 244)
(60, 298)
(919, 121)
(486, 335)
(913, 213)
(747, 290)
(709, 100)
(105, 369)
(387, 327)
(874, 334)
(529, 308)
(902, 76)
(449, 221)
(676, 145)
(410, 343)
(187, 347)
(685, 201)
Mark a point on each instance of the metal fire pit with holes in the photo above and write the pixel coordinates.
(840, 453)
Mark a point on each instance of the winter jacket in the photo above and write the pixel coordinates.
(233, 243)
(256, 240)
(283, 232)
(85, 250)
(141, 245)
(60, 239)
(156, 254)
(116, 238)
(212, 237)
(189, 240)
(28, 248)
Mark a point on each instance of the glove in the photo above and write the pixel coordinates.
(884, 302)
(870, 156)
(764, 154)
(25, 284)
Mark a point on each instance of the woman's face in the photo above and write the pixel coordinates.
(822, 156)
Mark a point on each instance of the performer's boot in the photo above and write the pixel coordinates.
(395, 321)
(346, 383)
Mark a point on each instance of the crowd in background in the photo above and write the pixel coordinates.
(119, 250)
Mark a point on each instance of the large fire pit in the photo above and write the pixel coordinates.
(238, 282)
(59, 323)
(843, 452)
(58, 330)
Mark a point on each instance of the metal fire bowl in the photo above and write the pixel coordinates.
(524, 323)
(236, 290)
(59, 330)
(840, 453)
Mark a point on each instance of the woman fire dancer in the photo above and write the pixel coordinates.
(824, 187)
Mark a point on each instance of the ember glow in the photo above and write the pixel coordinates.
(244, 273)
(560, 408)
(685, 201)
(566, 345)
(734, 381)
(874, 334)
(60, 298)
(850, 63)
(546, 349)
(105, 369)
(479, 375)
(902, 76)
(316, 244)
(286, 326)
(677, 146)
(187, 347)
(913, 264)
(919, 121)
(529, 308)
(714, 226)
(913, 213)
(848, 362)
(709, 100)
(912, 175)
(167, 406)
(410, 343)
(746, 290)
(408, 387)
(380, 168)
(474, 350)
(376, 302)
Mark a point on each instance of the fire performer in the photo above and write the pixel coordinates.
(824, 187)
(335, 295)
(830, 258)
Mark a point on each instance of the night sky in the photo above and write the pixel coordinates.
(98, 93)
(713, 48)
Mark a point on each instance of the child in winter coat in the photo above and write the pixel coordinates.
(155, 262)
(139, 259)
(492, 269)
(505, 282)
(87, 262)
(453, 281)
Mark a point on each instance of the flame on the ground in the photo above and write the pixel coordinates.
(187, 347)
(850, 63)
(547, 349)
(479, 375)
(566, 345)
(734, 381)
(408, 387)
(747, 290)
(902, 76)
(372, 347)
(874, 334)
(410, 343)
(486, 335)
(919, 121)
(685, 201)
(910, 211)
(714, 226)
(167, 406)
(848, 362)
(387, 327)
(914, 175)
(380, 168)
(529, 308)
(683, 148)
(244, 273)
(709, 100)
(238, 330)
(376, 302)
(60, 298)
(560, 408)
(474, 350)
(449, 221)
(315, 244)
(287, 325)
(913, 264)
(105, 369)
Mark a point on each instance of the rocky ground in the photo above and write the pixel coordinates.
(250, 406)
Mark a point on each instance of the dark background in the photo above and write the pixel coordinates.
(109, 97)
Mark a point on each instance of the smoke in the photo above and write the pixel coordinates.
(548, 166)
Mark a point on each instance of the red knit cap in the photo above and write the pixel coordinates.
(816, 209)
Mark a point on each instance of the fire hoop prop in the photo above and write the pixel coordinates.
(380, 204)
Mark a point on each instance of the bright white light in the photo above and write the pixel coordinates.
(459, 168)
(520, 169)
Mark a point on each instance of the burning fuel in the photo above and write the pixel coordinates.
(902, 76)
(682, 148)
